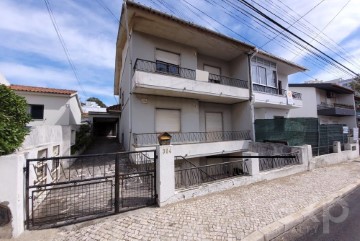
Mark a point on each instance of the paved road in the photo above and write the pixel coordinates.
(340, 222)
(103, 145)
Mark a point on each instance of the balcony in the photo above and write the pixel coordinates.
(151, 139)
(266, 96)
(196, 144)
(335, 109)
(160, 78)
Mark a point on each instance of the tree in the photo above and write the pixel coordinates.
(97, 101)
(355, 85)
(13, 119)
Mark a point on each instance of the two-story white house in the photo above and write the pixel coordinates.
(329, 102)
(177, 77)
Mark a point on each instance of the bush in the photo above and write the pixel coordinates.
(83, 138)
(13, 119)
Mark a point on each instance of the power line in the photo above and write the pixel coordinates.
(295, 35)
(101, 3)
(294, 22)
(61, 39)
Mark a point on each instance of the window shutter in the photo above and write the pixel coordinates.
(167, 120)
(212, 70)
(167, 57)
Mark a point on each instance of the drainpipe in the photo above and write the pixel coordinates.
(251, 99)
(129, 39)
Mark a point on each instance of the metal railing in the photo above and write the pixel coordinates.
(175, 70)
(269, 90)
(219, 79)
(335, 105)
(164, 68)
(275, 91)
(279, 161)
(198, 175)
(148, 139)
(69, 189)
(296, 95)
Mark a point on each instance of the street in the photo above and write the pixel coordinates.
(341, 222)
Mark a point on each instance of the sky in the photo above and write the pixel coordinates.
(31, 53)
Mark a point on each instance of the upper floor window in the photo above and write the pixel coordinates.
(36, 112)
(263, 72)
(167, 62)
(214, 73)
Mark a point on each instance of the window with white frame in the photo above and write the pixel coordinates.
(263, 72)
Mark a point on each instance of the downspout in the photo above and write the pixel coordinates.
(251, 95)
(129, 39)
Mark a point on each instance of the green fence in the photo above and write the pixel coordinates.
(300, 131)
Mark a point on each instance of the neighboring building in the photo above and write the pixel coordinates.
(272, 98)
(329, 102)
(49, 106)
(92, 106)
(3, 81)
(174, 76)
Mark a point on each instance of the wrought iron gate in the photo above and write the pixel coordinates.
(63, 190)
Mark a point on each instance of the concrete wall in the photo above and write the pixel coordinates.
(12, 192)
(170, 195)
(206, 60)
(335, 158)
(225, 110)
(239, 68)
(146, 46)
(309, 99)
(11, 168)
(242, 117)
(269, 113)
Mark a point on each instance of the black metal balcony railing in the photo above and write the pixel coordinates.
(275, 91)
(175, 70)
(268, 90)
(150, 139)
(164, 68)
(335, 105)
(219, 79)
(336, 109)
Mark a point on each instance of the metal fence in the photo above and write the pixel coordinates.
(219, 79)
(197, 175)
(279, 161)
(63, 190)
(148, 139)
(300, 131)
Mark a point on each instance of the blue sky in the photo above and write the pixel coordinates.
(31, 53)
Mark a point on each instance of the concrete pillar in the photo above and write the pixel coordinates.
(165, 173)
(252, 164)
(336, 147)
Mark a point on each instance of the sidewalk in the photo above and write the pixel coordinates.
(228, 215)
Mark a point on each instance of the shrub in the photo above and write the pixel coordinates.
(13, 119)
(83, 138)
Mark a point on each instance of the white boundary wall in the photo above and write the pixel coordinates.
(12, 176)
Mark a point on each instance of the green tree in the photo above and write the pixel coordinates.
(97, 101)
(355, 85)
(13, 120)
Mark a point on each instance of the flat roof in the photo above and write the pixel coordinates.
(326, 86)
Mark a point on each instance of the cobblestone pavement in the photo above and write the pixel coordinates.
(227, 215)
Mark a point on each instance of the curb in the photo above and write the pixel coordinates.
(279, 227)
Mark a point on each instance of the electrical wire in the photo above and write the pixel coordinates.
(61, 39)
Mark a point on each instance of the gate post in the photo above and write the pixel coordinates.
(117, 182)
(165, 174)
(252, 163)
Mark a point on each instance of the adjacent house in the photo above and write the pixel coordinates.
(329, 102)
(198, 85)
